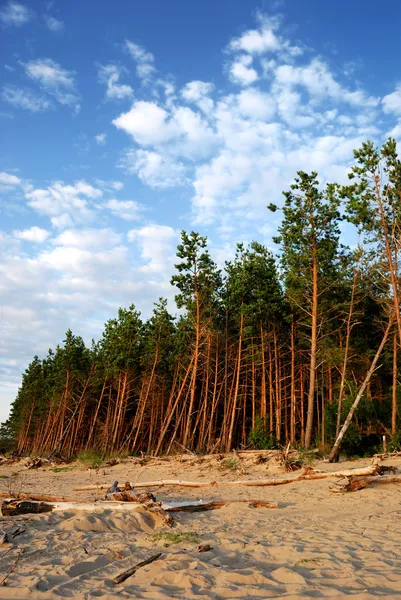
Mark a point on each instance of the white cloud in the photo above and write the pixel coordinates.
(321, 84)
(53, 24)
(8, 180)
(55, 80)
(199, 92)
(255, 104)
(33, 234)
(157, 244)
(129, 210)
(88, 239)
(395, 132)
(153, 169)
(110, 75)
(144, 60)
(101, 138)
(392, 102)
(182, 130)
(256, 41)
(14, 13)
(25, 99)
(64, 204)
(117, 185)
(242, 72)
(148, 123)
(264, 40)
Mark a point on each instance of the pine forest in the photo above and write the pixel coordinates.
(300, 345)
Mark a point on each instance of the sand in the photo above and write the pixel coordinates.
(316, 544)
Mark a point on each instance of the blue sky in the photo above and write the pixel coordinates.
(125, 121)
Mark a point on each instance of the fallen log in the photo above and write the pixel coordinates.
(123, 576)
(310, 474)
(11, 508)
(33, 506)
(24, 507)
(354, 484)
(386, 455)
(199, 506)
(38, 497)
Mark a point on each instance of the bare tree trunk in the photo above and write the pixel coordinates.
(195, 365)
(344, 371)
(292, 405)
(394, 402)
(263, 387)
(238, 376)
(312, 375)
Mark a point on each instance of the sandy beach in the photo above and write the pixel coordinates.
(315, 544)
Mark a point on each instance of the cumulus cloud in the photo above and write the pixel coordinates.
(242, 72)
(198, 92)
(25, 99)
(392, 102)
(110, 75)
(256, 41)
(88, 239)
(157, 245)
(64, 204)
(181, 129)
(129, 210)
(55, 80)
(265, 39)
(15, 14)
(255, 104)
(34, 234)
(321, 84)
(153, 169)
(9, 180)
(147, 123)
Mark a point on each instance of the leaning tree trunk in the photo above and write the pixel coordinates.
(336, 447)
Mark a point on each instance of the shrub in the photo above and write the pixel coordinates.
(91, 459)
(231, 463)
(259, 437)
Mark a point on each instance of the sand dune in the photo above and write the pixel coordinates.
(316, 544)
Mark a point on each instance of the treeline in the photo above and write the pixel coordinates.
(267, 351)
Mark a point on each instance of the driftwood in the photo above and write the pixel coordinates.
(386, 455)
(123, 576)
(38, 497)
(354, 484)
(145, 499)
(24, 507)
(76, 505)
(309, 474)
(199, 506)
(11, 508)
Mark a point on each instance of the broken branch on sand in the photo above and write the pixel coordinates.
(123, 576)
(38, 497)
(3, 581)
(354, 484)
(199, 506)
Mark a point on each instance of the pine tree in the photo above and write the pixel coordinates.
(309, 239)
